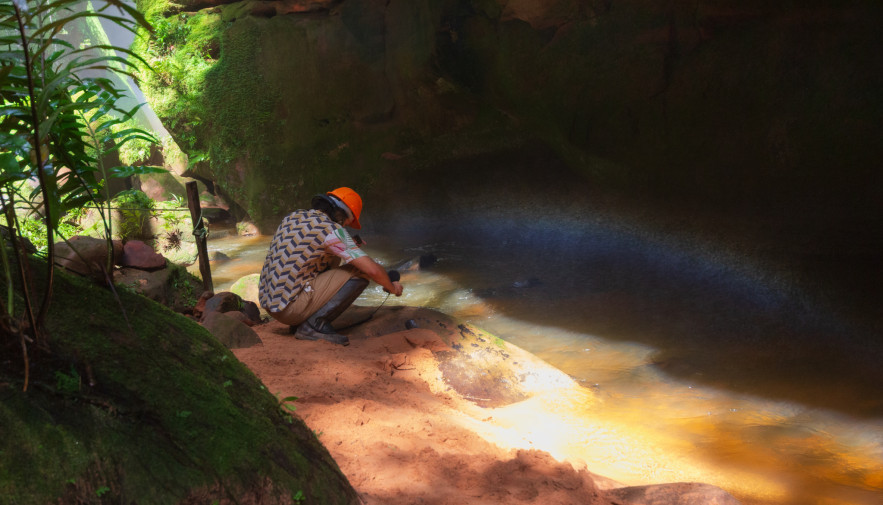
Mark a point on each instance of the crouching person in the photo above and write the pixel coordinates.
(314, 269)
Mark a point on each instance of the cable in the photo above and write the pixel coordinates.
(394, 276)
(370, 317)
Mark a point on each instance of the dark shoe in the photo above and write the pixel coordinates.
(306, 331)
(292, 329)
(318, 326)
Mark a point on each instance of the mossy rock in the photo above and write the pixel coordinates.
(184, 253)
(137, 404)
(163, 186)
(131, 224)
(247, 287)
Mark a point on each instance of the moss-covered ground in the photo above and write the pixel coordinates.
(134, 403)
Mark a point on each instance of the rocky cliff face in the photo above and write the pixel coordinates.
(734, 104)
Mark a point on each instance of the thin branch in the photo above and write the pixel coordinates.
(41, 172)
(20, 259)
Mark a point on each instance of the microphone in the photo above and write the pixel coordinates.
(394, 275)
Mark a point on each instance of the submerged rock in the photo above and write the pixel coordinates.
(219, 257)
(681, 493)
(532, 282)
(421, 262)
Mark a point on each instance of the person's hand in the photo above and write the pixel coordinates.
(397, 289)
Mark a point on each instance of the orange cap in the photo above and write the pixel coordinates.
(353, 201)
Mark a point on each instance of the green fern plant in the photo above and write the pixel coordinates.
(59, 116)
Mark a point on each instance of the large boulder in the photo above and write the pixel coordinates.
(137, 254)
(87, 255)
(230, 331)
(247, 287)
(149, 409)
(178, 247)
(161, 186)
(152, 284)
(173, 286)
(477, 365)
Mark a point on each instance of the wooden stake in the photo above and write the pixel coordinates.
(200, 232)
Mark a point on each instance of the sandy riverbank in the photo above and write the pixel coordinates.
(408, 422)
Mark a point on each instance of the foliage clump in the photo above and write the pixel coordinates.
(62, 113)
(134, 209)
(180, 49)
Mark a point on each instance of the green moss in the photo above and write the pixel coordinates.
(181, 50)
(153, 8)
(242, 101)
(286, 121)
(185, 286)
(164, 413)
(295, 105)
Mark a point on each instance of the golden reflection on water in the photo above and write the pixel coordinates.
(628, 421)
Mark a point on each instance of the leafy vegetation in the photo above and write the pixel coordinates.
(60, 117)
(134, 208)
(138, 149)
(182, 283)
(180, 50)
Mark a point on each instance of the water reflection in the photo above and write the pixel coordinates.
(703, 368)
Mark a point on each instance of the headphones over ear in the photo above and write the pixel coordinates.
(337, 214)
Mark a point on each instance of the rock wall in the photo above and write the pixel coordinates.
(736, 105)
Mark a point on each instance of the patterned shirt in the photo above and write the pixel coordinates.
(306, 244)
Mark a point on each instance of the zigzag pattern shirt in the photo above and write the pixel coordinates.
(306, 244)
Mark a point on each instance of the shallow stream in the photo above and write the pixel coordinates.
(702, 366)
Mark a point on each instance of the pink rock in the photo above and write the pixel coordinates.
(137, 254)
(85, 255)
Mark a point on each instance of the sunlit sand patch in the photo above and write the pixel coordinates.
(574, 423)
(561, 423)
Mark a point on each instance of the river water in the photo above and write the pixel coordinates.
(702, 366)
